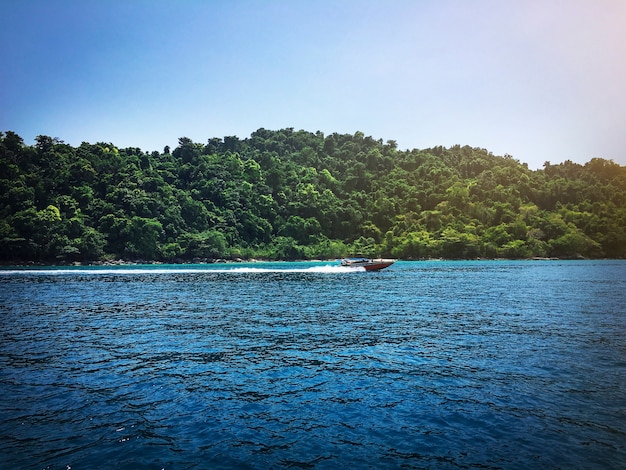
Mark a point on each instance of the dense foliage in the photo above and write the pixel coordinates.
(293, 194)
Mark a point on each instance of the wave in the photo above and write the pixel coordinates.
(314, 269)
(98, 271)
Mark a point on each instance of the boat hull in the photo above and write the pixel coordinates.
(377, 266)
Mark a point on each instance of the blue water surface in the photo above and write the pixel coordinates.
(438, 364)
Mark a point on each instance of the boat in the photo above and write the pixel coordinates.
(368, 264)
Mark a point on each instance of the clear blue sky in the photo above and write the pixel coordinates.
(541, 80)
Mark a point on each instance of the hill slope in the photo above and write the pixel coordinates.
(294, 194)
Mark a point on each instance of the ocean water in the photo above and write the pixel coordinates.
(482, 364)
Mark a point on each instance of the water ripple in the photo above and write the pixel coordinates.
(425, 365)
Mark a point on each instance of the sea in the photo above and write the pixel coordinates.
(426, 364)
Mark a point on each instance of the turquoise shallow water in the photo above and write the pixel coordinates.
(483, 364)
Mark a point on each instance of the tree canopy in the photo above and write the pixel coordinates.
(290, 194)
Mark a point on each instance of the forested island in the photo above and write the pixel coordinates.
(287, 194)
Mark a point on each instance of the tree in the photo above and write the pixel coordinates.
(290, 194)
(206, 245)
(143, 236)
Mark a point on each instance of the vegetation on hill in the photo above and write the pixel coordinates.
(290, 194)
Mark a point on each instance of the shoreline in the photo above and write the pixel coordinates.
(122, 262)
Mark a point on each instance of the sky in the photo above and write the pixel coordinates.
(540, 80)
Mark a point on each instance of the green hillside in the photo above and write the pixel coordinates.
(290, 194)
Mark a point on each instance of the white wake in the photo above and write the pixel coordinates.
(132, 270)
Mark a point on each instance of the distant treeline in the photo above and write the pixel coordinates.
(299, 195)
